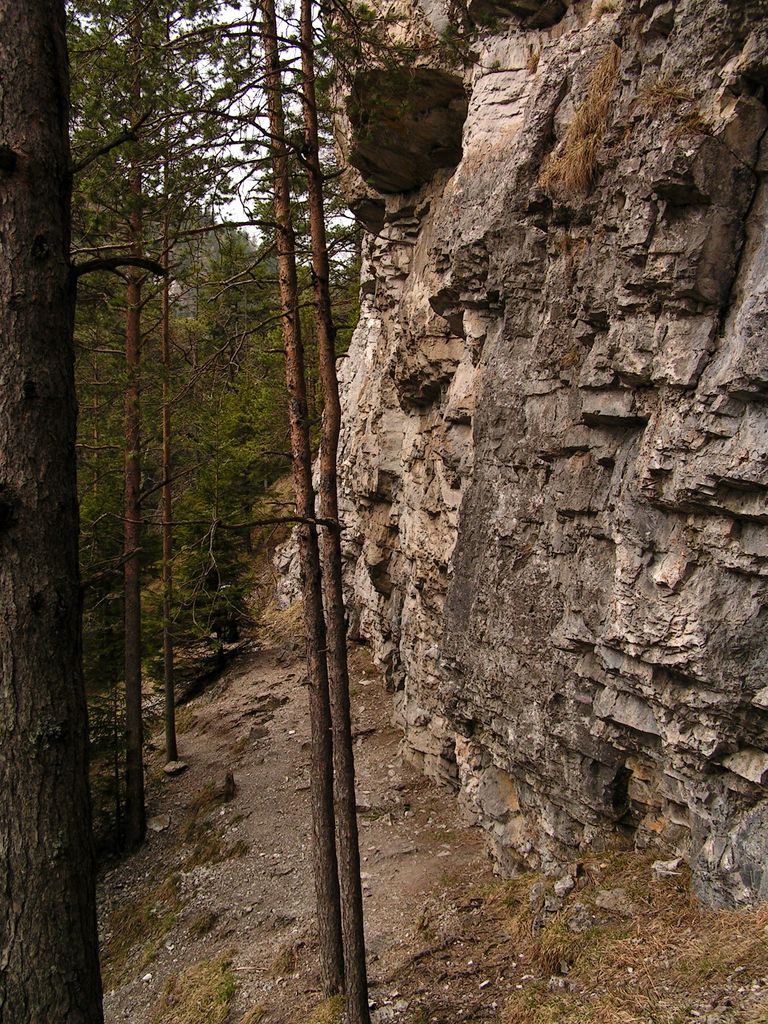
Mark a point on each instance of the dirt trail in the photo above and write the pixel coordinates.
(240, 870)
(226, 885)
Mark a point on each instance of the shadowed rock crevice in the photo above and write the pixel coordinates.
(534, 13)
(406, 125)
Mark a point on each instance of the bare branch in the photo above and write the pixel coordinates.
(113, 265)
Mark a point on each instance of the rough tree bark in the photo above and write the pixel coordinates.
(355, 976)
(324, 845)
(49, 967)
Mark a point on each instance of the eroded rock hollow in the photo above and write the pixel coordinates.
(555, 456)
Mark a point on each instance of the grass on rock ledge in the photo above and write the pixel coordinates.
(662, 959)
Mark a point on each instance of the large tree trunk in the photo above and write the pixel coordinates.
(356, 982)
(324, 846)
(49, 968)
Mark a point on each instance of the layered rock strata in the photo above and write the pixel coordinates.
(555, 457)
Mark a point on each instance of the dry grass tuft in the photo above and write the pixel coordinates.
(286, 960)
(238, 850)
(556, 948)
(201, 834)
(204, 800)
(572, 167)
(186, 719)
(254, 1016)
(208, 846)
(645, 968)
(693, 123)
(571, 358)
(601, 7)
(663, 94)
(328, 1012)
(137, 929)
(202, 994)
(202, 923)
(240, 745)
(283, 626)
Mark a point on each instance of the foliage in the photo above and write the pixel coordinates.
(172, 161)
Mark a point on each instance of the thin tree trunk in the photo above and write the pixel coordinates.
(324, 846)
(49, 969)
(135, 815)
(355, 976)
(134, 762)
(116, 744)
(171, 752)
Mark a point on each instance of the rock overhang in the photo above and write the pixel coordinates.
(406, 124)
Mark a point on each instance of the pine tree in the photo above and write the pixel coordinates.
(140, 55)
(324, 847)
(348, 852)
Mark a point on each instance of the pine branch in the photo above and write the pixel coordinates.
(113, 265)
(129, 135)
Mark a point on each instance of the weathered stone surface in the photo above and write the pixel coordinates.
(555, 452)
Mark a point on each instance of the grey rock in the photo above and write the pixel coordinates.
(580, 919)
(558, 984)
(536, 895)
(554, 461)
(385, 1014)
(159, 822)
(405, 126)
(748, 763)
(666, 868)
(564, 885)
(175, 767)
(615, 901)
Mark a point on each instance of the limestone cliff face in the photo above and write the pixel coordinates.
(555, 458)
